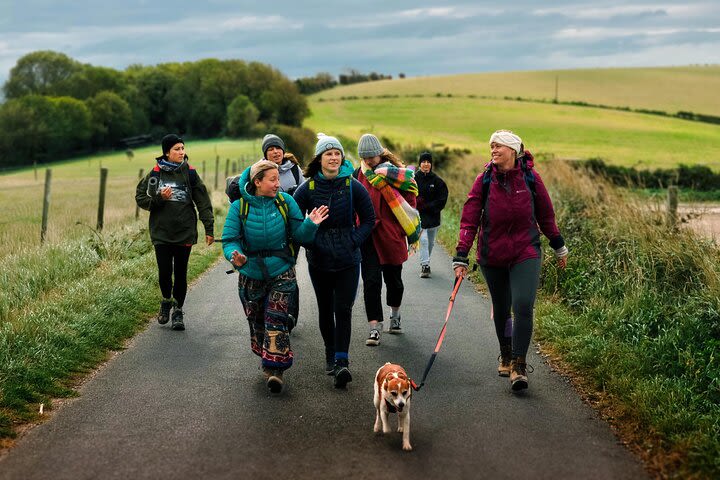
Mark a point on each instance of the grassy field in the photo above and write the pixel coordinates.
(622, 138)
(670, 89)
(75, 188)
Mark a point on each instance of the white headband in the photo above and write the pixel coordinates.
(508, 139)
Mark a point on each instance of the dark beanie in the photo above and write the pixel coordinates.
(425, 157)
(271, 140)
(169, 141)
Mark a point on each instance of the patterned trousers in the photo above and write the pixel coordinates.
(266, 306)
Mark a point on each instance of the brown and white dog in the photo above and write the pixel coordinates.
(393, 390)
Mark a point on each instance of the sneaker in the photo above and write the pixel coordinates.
(177, 319)
(395, 325)
(425, 271)
(275, 381)
(164, 315)
(374, 338)
(342, 373)
(504, 360)
(518, 374)
(329, 362)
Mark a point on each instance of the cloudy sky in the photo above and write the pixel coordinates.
(415, 37)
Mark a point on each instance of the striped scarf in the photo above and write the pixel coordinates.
(389, 179)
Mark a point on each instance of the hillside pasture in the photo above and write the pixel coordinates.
(75, 189)
(571, 132)
(668, 89)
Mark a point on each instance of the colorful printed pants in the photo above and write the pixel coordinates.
(266, 307)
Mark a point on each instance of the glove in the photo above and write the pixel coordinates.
(460, 261)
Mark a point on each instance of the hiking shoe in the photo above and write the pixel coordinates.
(518, 374)
(275, 381)
(177, 319)
(504, 360)
(425, 271)
(342, 373)
(374, 338)
(395, 325)
(164, 314)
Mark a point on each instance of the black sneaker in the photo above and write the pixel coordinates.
(329, 362)
(374, 338)
(164, 314)
(425, 271)
(177, 319)
(342, 374)
(395, 325)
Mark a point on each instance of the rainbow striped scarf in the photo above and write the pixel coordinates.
(389, 179)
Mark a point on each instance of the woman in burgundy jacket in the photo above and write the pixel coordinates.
(510, 205)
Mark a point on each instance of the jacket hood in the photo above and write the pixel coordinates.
(285, 166)
(346, 170)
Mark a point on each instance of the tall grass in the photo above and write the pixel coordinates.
(636, 316)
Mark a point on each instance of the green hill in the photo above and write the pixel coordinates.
(670, 89)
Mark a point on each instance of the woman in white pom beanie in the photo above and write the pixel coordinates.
(510, 205)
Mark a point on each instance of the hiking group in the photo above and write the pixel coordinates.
(353, 223)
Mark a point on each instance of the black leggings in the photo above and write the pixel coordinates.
(373, 275)
(516, 288)
(173, 259)
(335, 293)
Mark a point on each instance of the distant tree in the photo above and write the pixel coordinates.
(40, 73)
(242, 116)
(401, 75)
(111, 119)
(24, 131)
(89, 81)
(321, 81)
(70, 126)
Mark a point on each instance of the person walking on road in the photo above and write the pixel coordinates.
(392, 190)
(334, 256)
(257, 240)
(172, 192)
(510, 205)
(431, 199)
(273, 149)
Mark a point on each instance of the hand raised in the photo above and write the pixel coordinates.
(319, 214)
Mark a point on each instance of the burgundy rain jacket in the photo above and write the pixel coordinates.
(511, 225)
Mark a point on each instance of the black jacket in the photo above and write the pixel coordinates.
(337, 242)
(432, 197)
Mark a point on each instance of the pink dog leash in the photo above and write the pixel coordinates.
(456, 287)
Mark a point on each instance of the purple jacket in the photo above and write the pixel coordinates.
(510, 229)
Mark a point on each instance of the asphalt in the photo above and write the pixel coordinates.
(193, 404)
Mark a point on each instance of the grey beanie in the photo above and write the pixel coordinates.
(369, 146)
(272, 140)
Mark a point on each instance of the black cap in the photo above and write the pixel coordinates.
(169, 141)
(425, 157)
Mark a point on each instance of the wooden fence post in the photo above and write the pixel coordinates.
(227, 167)
(101, 202)
(203, 169)
(46, 205)
(137, 207)
(217, 168)
(672, 205)
(35, 169)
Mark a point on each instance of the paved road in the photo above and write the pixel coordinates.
(193, 405)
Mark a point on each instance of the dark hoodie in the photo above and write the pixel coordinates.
(174, 221)
(432, 197)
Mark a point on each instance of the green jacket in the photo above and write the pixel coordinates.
(174, 221)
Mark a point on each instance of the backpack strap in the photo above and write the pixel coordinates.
(528, 176)
(284, 208)
(296, 173)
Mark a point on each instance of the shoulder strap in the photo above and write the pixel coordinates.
(529, 176)
(356, 173)
(284, 208)
(244, 209)
(296, 173)
(485, 189)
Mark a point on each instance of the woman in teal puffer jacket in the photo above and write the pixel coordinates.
(256, 240)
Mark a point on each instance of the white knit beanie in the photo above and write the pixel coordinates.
(507, 138)
(326, 142)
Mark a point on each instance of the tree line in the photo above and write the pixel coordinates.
(56, 106)
(325, 81)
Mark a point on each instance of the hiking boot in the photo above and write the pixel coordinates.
(374, 337)
(329, 362)
(164, 314)
(275, 380)
(518, 374)
(504, 360)
(342, 373)
(395, 325)
(425, 271)
(177, 319)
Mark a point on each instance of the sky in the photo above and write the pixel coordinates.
(417, 38)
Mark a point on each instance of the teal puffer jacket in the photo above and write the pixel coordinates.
(264, 229)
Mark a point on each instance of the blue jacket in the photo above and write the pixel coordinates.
(263, 229)
(337, 243)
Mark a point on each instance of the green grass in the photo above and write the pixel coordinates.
(669, 89)
(75, 188)
(622, 138)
